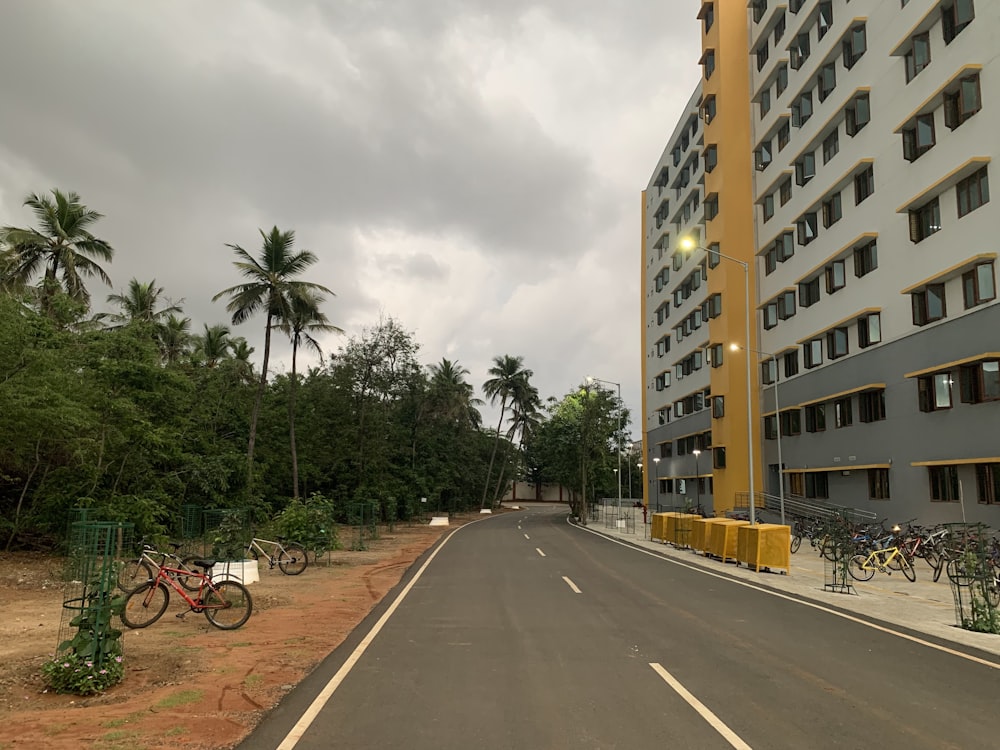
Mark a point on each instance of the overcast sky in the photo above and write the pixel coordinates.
(471, 168)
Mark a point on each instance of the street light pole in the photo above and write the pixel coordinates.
(697, 479)
(688, 245)
(618, 442)
(656, 467)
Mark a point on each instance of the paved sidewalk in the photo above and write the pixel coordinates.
(922, 606)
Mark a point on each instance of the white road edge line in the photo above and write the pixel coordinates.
(539, 552)
(310, 714)
(572, 585)
(804, 603)
(714, 721)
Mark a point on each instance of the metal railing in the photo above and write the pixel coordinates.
(802, 507)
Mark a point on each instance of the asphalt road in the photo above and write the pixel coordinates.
(524, 632)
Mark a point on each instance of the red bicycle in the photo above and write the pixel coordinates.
(226, 604)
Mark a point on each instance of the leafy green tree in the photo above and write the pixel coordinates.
(508, 375)
(270, 287)
(302, 319)
(174, 338)
(62, 248)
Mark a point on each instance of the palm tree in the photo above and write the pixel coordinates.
(270, 287)
(508, 372)
(63, 248)
(525, 416)
(241, 351)
(452, 397)
(173, 337)
(139, 304)
(300, 321)
(214, 344)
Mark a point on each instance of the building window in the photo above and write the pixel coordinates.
(761, 53)
(791, 361)
(934, 391)
(719, 457)
(979, 382)
(711, 158)
(770, 427)
(843, 414)
(711, 207)
(825, 19)
(784, 134)
(763, 155)
(791, 422)
(807, 227)
(715, 355)
(809, 292)
(832, 210)
(857, 114)
(768, 371)
(713, 306)
(812, 353)
(956, 17)
(708, 63)
(781, 80)
(836, 343)
(714, 258)
(928, 304)
(817, 484)
(919, 56)
(831, 145)
(854, 46)
(978, 285)
(865, 259)
(786, 305)
(925, 221)
(972, 192)
(708, 110)
(869, 330)
(836, 276)
(919, 139)
(779, 28)
(759, 7)
(799, 51)
(770, 315)
(718, 407)
(963, 103)
(708, 15)
(864, 184)
(826, 81)
(871, 406)
(802, 109)
(988, 483)
(815, 418)
(944, 483)
(768, 206)
(805, 168)
(878, 484)
(785, 246)
(785, 191)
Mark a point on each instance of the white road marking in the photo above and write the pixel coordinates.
(804, 603)
(714, 721)
(307, 718)
(572, 585)
(527, 537)
(539, 552)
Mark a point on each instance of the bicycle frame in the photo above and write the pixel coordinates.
(168, 576)
(879, 559)
(272, 555)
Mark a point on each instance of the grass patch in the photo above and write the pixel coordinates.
(240, 644)
(50, 729)
(181, 699)
(120, 722)
(175, 731)
(252, 680)
(119, 741)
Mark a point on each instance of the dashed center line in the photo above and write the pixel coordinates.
(714, 721)
(573, 586)
(527, 537)
(539, 552)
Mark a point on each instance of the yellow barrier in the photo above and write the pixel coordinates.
(658, 527)
(766, 545)
(701, 533)
(679, 528)
(722, 542)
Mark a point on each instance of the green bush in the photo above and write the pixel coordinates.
(310, 523)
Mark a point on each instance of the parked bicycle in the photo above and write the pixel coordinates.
(226, 604)
(137, 571)
(290, 558)
(885, 557)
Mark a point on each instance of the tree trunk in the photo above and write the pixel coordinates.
(493, 455)
(291, 420)
(24, 491)
(257, 402)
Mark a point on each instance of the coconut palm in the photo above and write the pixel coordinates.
(62, 249)
(524, 418)
(299, 322)
(452, 397)
(241, 352)
(508, 373)
(213, 345)
(173, 337)
(139, 304)
(270, 286)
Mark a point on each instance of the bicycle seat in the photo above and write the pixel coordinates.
(176, 546)
(206, 563)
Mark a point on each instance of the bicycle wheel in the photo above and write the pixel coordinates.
(857, 568)
(906, 565)
(146, 604)
(828, 549)
(192, 580)
(134, 573)
(991, 588)
(957, 572)
(292, 560)
(932, 557)
(227, 604)
(796, 543)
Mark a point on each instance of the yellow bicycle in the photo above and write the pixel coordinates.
(863, 567)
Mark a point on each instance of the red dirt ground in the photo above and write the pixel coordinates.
(187, 684)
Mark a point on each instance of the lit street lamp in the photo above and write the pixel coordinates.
(697, 479)
(618, 471)
(656, 466)
(687, 244)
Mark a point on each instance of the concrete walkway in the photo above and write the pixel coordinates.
(922, 607)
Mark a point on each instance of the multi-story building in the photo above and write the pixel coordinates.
(876, 325)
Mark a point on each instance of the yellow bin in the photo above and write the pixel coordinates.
(722, 542)
(679, 528)
(658, 527)
(765, 545)
(701, 533)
